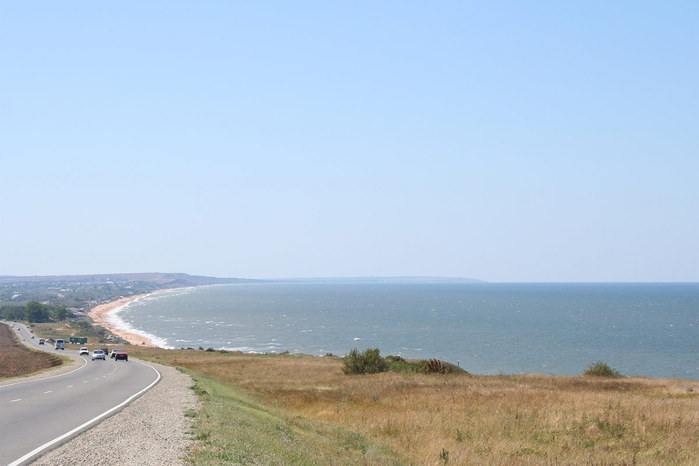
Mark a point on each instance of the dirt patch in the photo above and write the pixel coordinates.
(17, 360)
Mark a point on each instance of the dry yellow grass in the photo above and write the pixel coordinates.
(18, 360)
(461, 419)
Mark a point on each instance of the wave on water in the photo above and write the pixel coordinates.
(115, 319)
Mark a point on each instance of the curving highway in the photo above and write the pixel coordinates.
(38, 415)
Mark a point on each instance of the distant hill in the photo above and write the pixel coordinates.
(157, 280)
(384, 280)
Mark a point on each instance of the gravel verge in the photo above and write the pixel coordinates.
(153, 430)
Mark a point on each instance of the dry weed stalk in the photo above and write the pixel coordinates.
(479, 420)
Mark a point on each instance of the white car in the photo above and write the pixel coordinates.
(84, 350)
(99, 354)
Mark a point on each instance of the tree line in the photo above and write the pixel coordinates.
(35, 311)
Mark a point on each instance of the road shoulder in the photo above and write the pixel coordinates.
(151, 430)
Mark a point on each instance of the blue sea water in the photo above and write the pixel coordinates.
(647, 330)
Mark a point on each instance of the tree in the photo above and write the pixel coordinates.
(36, 312)
(12, 312)
(59, 313)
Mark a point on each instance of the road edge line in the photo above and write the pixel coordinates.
(47, 377)
(83, 427)
(29, 376)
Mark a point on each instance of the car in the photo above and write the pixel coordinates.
(41, 341)
(84, 350)
(114, 351)
(121, 355)
(98, 354)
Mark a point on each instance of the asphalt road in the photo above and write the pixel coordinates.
(33, 414)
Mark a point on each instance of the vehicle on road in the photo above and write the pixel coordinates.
(121, 355)
(41, 341)
(60, 344)
(84, 350)
(99, 354)
(114, 351)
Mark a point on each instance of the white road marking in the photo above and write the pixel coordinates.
(50, 391)
(43, 447)
(18, 399)
(70, 386)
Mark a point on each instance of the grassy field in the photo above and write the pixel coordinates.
(431, 419)
(295, 409)
(67, 329)
(17, 360)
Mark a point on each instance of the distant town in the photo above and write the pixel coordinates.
(79, 293)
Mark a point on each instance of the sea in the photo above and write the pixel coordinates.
(648, 329)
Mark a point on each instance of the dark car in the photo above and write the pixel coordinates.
(121, 355)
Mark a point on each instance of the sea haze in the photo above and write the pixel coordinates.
(639, 329)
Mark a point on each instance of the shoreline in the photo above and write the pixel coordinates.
(100, 315)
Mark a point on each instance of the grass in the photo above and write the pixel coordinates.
(431, 418)
(66, 329)
(233, 428)
(17, 360)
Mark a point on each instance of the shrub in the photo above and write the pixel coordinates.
(433, 366)
(398, 364)
(601, 369)
(367, 362)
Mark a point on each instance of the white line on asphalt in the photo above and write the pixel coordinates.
(36, 451)
(18, 399)
(49, 391)
(42, 378)
(70, 386)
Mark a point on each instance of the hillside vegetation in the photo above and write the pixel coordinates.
(17, 360)
(448, 418)
(297, 409)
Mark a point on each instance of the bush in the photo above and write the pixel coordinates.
(601, 369)
(433, 366)
(367, 362)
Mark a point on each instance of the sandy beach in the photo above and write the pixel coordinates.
(100, 315)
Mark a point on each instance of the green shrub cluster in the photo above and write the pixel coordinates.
(371, 362)
(367, 362)
(34, 311)
(601, 369)
(398, 364)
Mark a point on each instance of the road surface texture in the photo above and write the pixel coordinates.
(52, 409)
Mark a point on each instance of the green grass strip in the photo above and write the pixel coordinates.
(231, 428)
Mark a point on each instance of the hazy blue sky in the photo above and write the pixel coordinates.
(506, 141)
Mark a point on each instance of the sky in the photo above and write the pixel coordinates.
(505, 141)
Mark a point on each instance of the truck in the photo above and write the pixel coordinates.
(60, 344)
